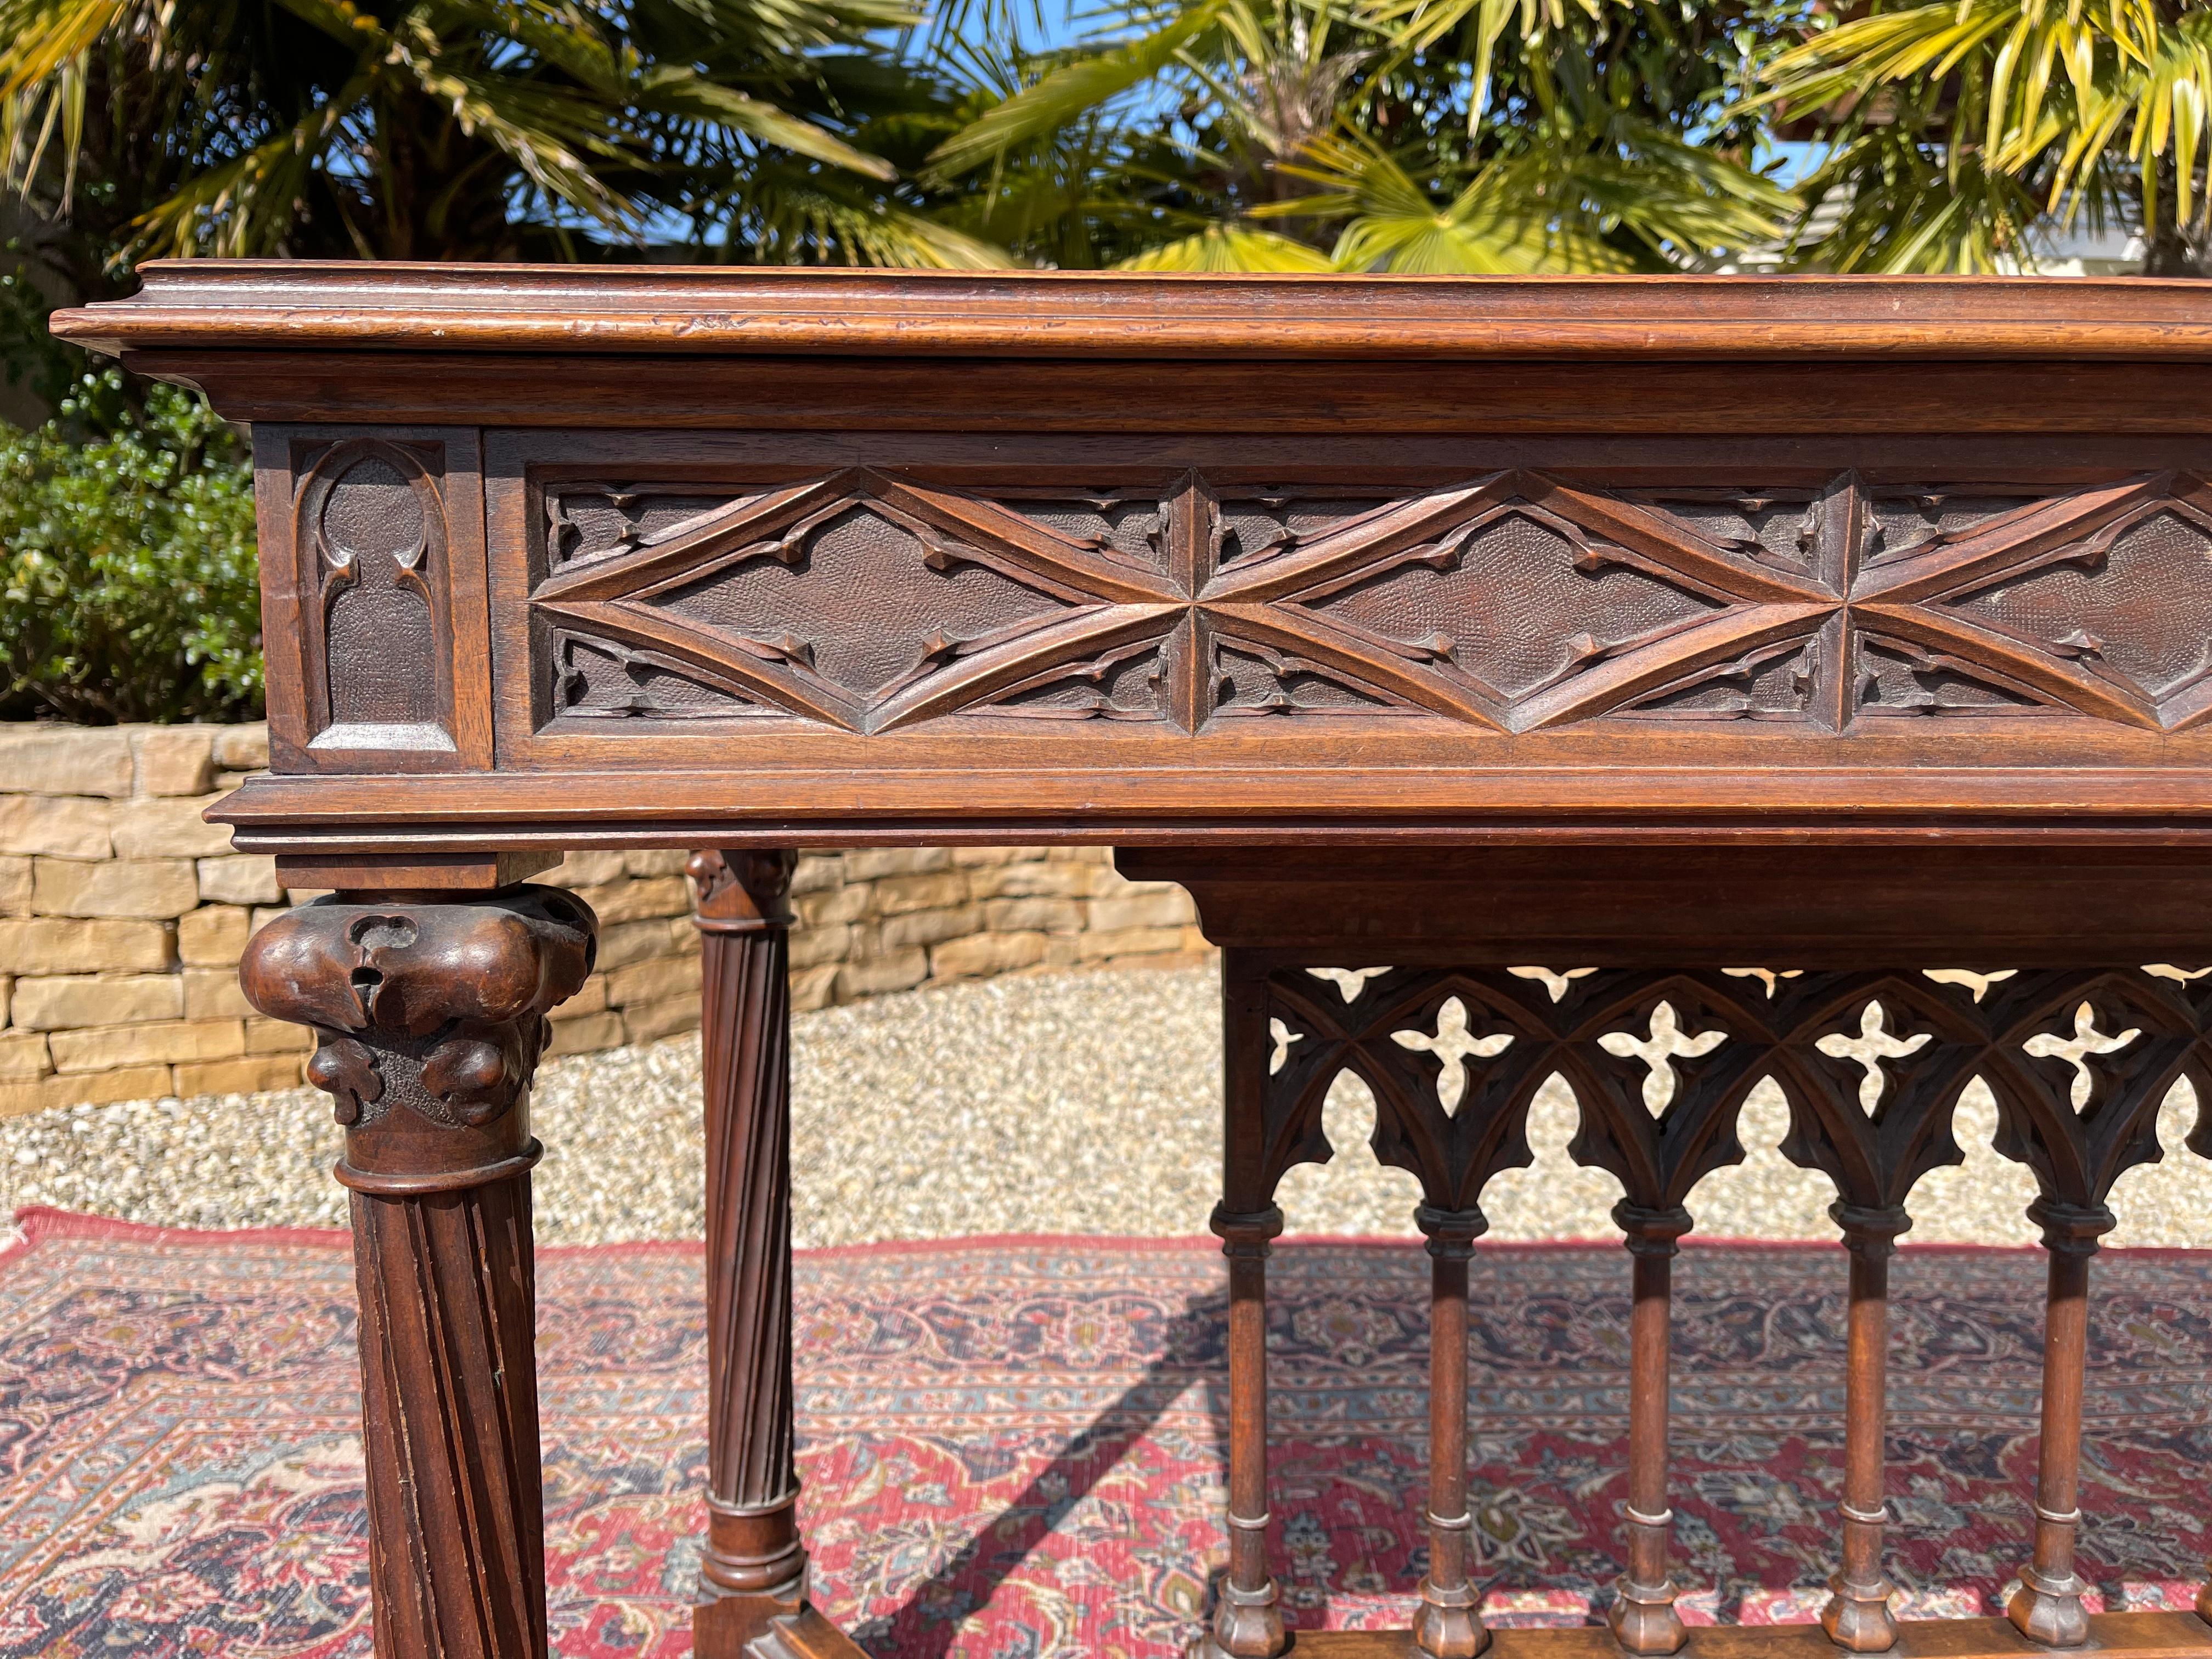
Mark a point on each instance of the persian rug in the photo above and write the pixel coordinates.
(1014, 1447)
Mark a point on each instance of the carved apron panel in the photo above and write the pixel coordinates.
(867, 601)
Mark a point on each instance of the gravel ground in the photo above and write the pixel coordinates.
(1064, 1102)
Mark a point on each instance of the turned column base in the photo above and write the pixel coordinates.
(752, 1550)
(730, 1624)
(768, 1627)
(1643, 1618)
(1247, 1624)
(1445, 1625)
(1857, 1617)
(2049, 1610)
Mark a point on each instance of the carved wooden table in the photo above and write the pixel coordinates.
(1754, 655)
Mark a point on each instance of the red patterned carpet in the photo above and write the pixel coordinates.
(1013, 1446)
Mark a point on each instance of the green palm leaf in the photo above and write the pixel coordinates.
(1231, 247)
(1072, 91)
(2026, 101)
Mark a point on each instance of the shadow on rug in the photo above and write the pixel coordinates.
(1013, 1447)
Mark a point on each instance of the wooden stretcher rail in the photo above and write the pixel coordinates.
(2133, 1635)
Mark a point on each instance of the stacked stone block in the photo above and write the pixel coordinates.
(123, 914)
(875, 921)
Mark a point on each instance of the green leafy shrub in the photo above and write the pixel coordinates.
(128, 585)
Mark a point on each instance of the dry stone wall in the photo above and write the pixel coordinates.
(123, 914)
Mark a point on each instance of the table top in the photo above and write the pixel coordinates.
(574, 556)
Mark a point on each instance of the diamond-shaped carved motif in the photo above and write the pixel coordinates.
(1516, 601)
(1521, 601)
(2133, 603)
(866, 603)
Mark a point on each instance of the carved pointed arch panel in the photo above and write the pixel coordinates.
(379, 623)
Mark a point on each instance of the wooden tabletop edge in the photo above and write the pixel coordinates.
(333, 306)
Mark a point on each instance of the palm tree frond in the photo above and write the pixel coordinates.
(1227, 248)
(1070, 92)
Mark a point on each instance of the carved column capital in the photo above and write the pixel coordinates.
(1246, 1234)
(429, 1019)
(1651, 1232)
(1451, 1233)
(739, 892)
(2075, 1230)
(1870, 1231)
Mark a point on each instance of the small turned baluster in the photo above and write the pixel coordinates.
(2080, 1110)
(1247, 1615)
(2047, 1605)
(1248, 1623)
(1448, 1625)
(430, 1017)
(1857, 1614)
(1643, 1615)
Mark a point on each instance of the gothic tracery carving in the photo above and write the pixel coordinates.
(372, 539)
(867, 600)
(1872, 1065)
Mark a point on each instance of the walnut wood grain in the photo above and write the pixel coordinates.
(704, 310)
(429, 1019)
(833, 397)
(753, 1568)
(1636, 902)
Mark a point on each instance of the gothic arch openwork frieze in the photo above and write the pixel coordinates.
(867, 601)
(1871, 1063)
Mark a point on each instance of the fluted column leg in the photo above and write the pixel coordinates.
(753, 1570)
(430, 1018)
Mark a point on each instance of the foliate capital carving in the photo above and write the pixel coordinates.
(430, 1019)
(739, 892)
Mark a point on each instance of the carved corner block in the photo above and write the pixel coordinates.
(373, 577)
